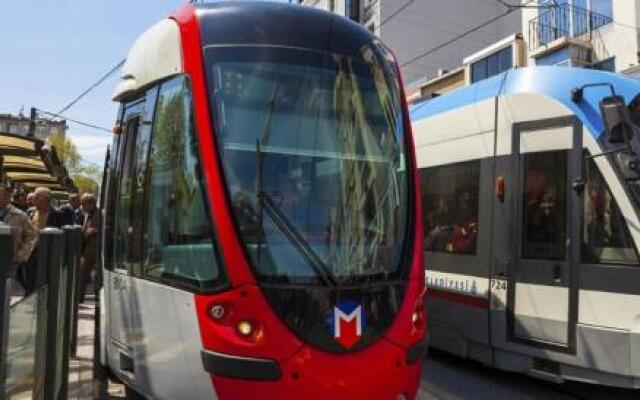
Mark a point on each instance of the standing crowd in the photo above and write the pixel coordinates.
(26, 214)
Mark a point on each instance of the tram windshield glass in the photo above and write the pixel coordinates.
(627, 154)
(313, 150)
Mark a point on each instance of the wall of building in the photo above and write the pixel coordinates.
(425, 24)
(19, 125)
(620, 38)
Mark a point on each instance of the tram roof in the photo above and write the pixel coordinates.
(553, 82)
(29, 163)
(277, 24)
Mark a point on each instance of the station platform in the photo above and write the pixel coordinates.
(82, 384)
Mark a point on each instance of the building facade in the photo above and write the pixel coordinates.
(599, 34)
(416, 29)
(20, 125)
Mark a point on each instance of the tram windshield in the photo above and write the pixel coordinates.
(313, 150)
(627, 153)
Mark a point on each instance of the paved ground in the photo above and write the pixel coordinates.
(444, 377)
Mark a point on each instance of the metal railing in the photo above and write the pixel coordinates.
(564, 21)
(36, 330)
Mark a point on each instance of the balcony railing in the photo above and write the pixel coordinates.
(564, 21)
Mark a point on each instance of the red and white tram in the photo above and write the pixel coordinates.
(261, 206)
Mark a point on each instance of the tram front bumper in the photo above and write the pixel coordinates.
(380, 371)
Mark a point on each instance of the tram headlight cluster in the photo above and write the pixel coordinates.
(418, 315)
(245, 328)
(217, 312)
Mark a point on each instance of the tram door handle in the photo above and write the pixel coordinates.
(557, 273)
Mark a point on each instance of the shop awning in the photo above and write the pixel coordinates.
(27, 162)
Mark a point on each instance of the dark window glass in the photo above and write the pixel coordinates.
(492, 65)
(450, 201)
(606, 65)
(506, 59)
(605, 238)
(479, 70)
(126, 190)
(111, 201)
(545, 205)
(312, 146)
(179, 236)
(602, 7)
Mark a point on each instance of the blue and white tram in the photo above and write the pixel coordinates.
(530, 183)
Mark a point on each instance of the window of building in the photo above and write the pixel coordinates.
(560, 58)
(605, 235)
(602, 7)
(605, 65)
(450, 197)
(544, 205)
(560, 18)
(491, 65)
(353, 9)
(180, 245)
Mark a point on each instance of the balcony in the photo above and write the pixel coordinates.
(568, 22)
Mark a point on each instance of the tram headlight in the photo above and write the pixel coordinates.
(245, 328)
(217, 312)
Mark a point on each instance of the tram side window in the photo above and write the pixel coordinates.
(605, 238)
(126, 192)
(450, 201)
(179, 235)
(545, 205)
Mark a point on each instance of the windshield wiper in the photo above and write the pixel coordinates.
(294, 237)
(279, 218)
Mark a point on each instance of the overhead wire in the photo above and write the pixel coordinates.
(398, 11)
(75, 121)
(459, 36)
(93, 86)
(510, 9)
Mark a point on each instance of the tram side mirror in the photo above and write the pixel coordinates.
(629, 164)
(616, 119)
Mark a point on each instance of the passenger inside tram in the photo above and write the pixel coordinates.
(463, 237)
(452, 193)
(438, 226)
(543, 214)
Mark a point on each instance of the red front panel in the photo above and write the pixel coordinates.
(378, 371)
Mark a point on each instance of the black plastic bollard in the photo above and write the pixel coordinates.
(76, 290)
(6, 265)
(50, 264)
(72, 238)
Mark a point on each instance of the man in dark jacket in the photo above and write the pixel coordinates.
(44, 216)
(90, 227)
(71, 211)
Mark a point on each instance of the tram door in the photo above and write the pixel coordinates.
(542, 291)
(125, 243)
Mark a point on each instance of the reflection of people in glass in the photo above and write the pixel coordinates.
(597, 232)
(248, 220)
(543, 226)
(438, 225)
(634, 111)
(463, 238)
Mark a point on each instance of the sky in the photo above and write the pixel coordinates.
(52, 50)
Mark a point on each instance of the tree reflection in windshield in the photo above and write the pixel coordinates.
(322, 137)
